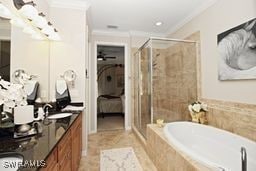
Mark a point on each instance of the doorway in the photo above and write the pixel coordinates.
(111, 113)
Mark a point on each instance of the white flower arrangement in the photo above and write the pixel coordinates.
(197, 107)
(12, 95)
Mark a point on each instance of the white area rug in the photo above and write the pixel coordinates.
(121, 159)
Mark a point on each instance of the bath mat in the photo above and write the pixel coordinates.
(120, 159)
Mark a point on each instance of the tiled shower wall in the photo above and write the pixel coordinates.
(174, 81)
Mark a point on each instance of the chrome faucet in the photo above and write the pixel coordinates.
(46, 108)
(244, 158)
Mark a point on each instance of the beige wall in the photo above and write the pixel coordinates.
(31, 55)
(70, 53)
(223, 15)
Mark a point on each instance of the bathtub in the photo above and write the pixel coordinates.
(214, 148)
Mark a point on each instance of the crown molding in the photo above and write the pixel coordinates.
(135, 33)
(74, 4)
(194, 14)
(110, 33)
(126, 34)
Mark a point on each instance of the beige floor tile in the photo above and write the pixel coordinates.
(113, 139)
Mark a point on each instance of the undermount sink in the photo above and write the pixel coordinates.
(59, 115)
(10, 161)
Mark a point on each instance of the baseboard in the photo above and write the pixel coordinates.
(84, 153)
(128, 128)
(92, 132)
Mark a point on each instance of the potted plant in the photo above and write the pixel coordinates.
(198, 112)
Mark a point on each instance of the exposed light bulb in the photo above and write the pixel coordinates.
(18, 22)
(40, 22)
(48, 30)
(37, 36)
(54, 36)
(29, 30)
(5, 12)
(29, 11)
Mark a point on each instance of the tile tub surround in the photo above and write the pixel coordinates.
(109, 140)
(237, 118)
(165, 156)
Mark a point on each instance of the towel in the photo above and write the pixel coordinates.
(62, 94)
(29, 87)
(71, 108)
(61, 86)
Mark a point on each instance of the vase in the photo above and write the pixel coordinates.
(195, 117)
(199, 117)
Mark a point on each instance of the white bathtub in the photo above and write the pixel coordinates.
(215, 148)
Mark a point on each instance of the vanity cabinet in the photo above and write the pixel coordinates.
(52, 161)
(64, 152)
(76, 133)
(66, 155)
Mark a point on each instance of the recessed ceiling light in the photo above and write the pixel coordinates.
(159, 23)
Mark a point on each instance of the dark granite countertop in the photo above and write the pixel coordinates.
(38, 147)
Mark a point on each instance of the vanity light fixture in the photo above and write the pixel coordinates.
(48, 29)
(18, 22)
(29, 11)
(37, 36)
(5, 12)
(29, 30)
(54, 36)
(159, 23)
(40, 21)
(33, 22)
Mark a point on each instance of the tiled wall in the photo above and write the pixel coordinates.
(234, 117)
(165, 156)
(174, 80)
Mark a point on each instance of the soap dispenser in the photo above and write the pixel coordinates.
(40, 114)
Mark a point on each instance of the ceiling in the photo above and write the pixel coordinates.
(140, 16)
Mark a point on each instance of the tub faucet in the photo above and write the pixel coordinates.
(244, 158)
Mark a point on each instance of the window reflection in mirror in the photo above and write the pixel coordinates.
(5, 48)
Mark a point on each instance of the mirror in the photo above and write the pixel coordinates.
(18, 51)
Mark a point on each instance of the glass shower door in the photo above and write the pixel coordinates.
(145, 89)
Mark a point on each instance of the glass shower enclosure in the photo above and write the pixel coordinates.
(165, 79)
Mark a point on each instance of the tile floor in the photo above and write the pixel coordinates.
(110, 123)
(109, 140)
